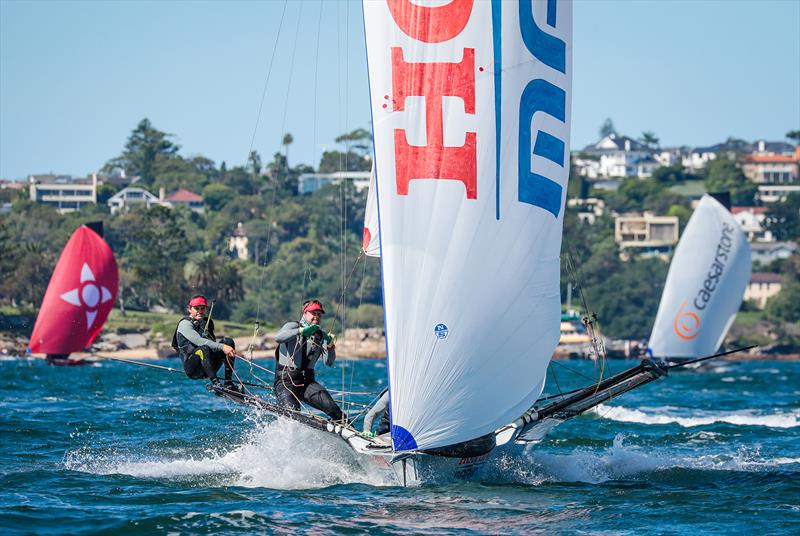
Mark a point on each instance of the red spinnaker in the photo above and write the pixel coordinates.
(80, 295)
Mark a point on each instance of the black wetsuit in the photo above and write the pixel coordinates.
(296, 357)
(200, 352)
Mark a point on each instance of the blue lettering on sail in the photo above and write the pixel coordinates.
(549, 147)
(547, 48)
(535, 189)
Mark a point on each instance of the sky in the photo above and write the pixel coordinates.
(77, 77)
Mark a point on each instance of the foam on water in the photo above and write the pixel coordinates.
(744, 417)
(623, 461)
(278, 454)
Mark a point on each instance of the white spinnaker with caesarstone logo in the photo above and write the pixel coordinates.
(470, 270)
(705, 284)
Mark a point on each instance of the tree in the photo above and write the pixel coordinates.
(216, 195)
(785, 306)
(144, 146)
(783, 218)
(649, 139)
(216, 277)
(607, 128)
(794, 135)
(254, 164)
(359, 140)
(723, 175)
(287, 141)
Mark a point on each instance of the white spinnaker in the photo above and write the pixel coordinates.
(371, 243)
(470, 271)
(705, 284)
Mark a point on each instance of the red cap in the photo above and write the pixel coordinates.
(313, 306)
(198, 300)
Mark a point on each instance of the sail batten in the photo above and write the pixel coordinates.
(471, 163)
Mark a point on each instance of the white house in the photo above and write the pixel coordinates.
(762, 286)
(618, 156)
(751, 220)
(63, 192)
(311, 182)
(772, 193)
(130, 196)
(766, 252)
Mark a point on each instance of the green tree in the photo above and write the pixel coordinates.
(724, 175)
(607, 128)
(144, 146)
(649, 139)
(217, 195)
(359, 141)
(286, 142)
(104, 192)
(785, 306)
(783, 218)
(215, 276)
(794, 135)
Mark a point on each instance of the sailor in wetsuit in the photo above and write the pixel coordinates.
(197, 345)
(300, 345)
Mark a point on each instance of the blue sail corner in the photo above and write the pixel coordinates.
(402, 439)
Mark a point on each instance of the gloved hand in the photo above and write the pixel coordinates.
(330, 339)
(309, 330)
(368, 434)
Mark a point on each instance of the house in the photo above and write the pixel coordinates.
(767, 252)
(769, 168)
(309, 183)
(588, 209)
(648, 233)
(186, 198)
(669, 157)
(618, 156)
(751, 220)
(773, 193)
(699, 157)
(762, 286)
(63, 192)
(237, 242)
(123, 200)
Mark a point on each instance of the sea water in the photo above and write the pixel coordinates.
(114, 448)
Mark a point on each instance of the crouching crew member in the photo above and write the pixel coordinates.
(201, 353)
(300, 345)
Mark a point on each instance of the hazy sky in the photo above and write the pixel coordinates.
(76, 77)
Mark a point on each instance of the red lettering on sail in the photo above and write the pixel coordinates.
(431, 24)
(435, 161)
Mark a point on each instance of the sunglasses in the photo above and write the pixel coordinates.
(199, 307)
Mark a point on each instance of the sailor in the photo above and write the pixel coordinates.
(381, 406)
(201, 353)
(300, 345)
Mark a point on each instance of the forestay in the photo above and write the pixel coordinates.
(471, 112)
(705, 284)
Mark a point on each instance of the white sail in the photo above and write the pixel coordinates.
(705, 284)
(372, 242)
(471, 111)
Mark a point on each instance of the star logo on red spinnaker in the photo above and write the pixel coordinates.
(88, 295)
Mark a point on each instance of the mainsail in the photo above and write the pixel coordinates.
(79, 297)
(705, 284)
(471, 112)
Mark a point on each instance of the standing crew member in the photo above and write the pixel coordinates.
(197, 345)
(300, 345)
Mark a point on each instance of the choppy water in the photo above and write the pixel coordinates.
(114, 448)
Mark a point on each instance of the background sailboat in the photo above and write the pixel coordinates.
(79, 297)
(705, 285)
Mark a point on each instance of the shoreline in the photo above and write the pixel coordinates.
(151, 354)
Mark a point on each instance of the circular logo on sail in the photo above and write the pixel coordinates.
(441, 331)
(686, 323)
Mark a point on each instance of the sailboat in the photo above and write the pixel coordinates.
(705, 285)
(79, 297)
(471, 116)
